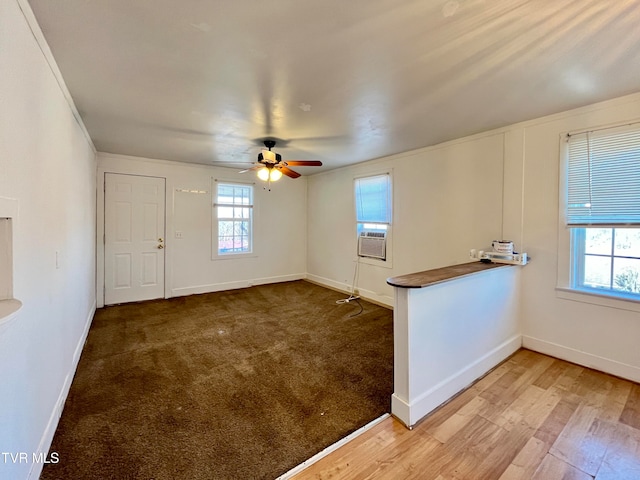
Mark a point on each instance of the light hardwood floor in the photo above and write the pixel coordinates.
(533, 417)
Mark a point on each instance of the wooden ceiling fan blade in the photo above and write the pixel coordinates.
(304, 163)
(288, 172)
(257, 167)
(230, 164)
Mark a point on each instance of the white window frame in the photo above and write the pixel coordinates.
(215, 238)
(387, 226)
(578, 240)
(571, 248)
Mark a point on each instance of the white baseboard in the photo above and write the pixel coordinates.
(218, 287)
(411, 413)
(401, 410)
(54, 417)
(585, 359)
(374, 297)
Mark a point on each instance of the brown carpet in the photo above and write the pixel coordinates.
(243, 384)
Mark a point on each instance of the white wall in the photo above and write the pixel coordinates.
(446, 200)
(448, 335)
(565, 326)
(279, 227)
(47, 166)
(461, 195)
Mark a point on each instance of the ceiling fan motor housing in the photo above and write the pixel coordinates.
(261, 158)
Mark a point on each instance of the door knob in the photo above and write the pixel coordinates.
(160, 247)
(160, 240)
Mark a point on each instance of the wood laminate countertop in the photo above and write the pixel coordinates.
(439, 275)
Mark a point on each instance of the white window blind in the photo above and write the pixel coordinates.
(373, 199)
(603, 177)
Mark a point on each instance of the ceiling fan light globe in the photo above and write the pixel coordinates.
(275, 175)
(263, 174)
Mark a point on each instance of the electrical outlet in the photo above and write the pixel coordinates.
(178, 234)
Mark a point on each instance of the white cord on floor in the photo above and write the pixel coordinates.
(353, 286)
(347, 300)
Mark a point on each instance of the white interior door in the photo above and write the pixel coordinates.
(134, 216)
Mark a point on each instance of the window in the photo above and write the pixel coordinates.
(373, 202)
(373, 218)
(608, 259)
(234, 213)
(603, 211)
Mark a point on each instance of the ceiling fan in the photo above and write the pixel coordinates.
(271, 167)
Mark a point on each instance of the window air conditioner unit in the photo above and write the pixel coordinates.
(372, 244)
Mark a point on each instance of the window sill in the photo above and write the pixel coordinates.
(597, 298)
(233, 256)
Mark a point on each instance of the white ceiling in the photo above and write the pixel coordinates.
(205, 81)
